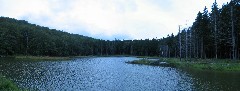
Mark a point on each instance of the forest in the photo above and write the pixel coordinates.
(214, 34)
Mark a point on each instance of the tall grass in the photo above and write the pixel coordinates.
(7, 85)
(224, 65)
(41, 58)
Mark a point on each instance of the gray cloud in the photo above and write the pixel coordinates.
(107, 19)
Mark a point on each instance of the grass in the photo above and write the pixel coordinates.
(146, 61)
(141, 61)
(42, 58)
(144, 57)
(207, 64)
(224, 65)
(36, 58)
(7, 85)
(51, 58)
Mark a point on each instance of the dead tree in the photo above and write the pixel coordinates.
(233, 37)
(180, 48)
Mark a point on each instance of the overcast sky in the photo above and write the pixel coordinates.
(108, 19)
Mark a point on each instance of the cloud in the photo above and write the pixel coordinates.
(108, 19)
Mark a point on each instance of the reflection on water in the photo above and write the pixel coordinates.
(110, 73)
(217, 81)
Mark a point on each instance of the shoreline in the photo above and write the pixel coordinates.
(35, 58)
(220, 65)
(55, 58)
(195, 64)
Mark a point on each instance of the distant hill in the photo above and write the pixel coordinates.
(18, 37)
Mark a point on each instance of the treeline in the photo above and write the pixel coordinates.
(214, 34)
(18, 37)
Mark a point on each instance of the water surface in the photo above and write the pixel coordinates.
(112, 73)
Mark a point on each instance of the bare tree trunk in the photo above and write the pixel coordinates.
(169, 53)
(215, 41)
(180, 48)
(190, 38)
(175, 52)
(197, 48)
(238, 54)
(215, 32)
(194, 47)
(233, 37)
(186, 45)
(166, 52)
(202, 47)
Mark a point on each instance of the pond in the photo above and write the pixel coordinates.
(112, 73)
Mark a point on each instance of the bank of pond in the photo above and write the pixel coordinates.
(7, 85)
(223, 65)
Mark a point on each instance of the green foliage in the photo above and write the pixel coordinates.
(7, 85)
(18, 37)
(210, 36)
(223, 65)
